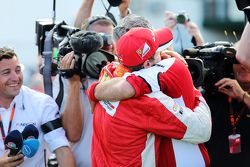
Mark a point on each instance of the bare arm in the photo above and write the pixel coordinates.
(123, 8)
(243, 52)
(246, 99)
(72, 116)
(65, 157)
(114, 89)
(194, 31)
(83, 13)
(234, 91)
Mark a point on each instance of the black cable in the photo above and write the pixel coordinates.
(104, 6)
(54, 12)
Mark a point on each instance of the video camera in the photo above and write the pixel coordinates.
(85, 44)
(50, 34)
(66, 39)
(210, 63)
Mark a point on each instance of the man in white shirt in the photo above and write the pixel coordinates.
(21, 106)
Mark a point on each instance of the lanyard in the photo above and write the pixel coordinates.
(234, 121)
(10, 123)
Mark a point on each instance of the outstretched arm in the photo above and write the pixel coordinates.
(72, 116)
(83, 13)
(65, 157)
(119, 89)
(124, 8)
(243, 52)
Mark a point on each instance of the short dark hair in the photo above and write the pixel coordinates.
(7, 53)
(97, 20)
(140, 66)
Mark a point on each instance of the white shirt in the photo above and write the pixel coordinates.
(81, 149)
(35, 108)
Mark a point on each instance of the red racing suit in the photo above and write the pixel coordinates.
(153, 129)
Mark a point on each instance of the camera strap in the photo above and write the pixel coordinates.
(60, 95)
(234, 116)
(110, 15)
(48, 63)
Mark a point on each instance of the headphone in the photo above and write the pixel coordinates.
(93, 19)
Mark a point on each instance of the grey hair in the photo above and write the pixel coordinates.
(128, 22)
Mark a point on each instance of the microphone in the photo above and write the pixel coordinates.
(30, 131)
(14, 142)
(30, 147)
(86, 41)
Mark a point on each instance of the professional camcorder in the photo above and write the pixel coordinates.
(52, 38)
(85, 44)
(210, 63)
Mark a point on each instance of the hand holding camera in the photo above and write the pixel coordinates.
(172, 19)
(231, 88)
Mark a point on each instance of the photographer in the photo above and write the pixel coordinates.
(80, 67)
(229, 144)
(186, 33)
(27, 106)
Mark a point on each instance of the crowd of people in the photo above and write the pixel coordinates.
(135, 105)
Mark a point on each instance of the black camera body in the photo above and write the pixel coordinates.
(210, 63)
(244, 5)
(66, 39)
(43, 26)
(182, 17)
(107, 39)
(83, 43)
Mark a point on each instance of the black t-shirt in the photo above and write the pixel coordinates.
(218, 145)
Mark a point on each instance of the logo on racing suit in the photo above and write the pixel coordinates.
(110, 107)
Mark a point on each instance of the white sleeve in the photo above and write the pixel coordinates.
(198, 122)
(55, 138)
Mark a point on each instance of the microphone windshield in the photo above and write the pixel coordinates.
(30, 147)
(30, 131)
(14, 142)
(192, 52)
(86, 41)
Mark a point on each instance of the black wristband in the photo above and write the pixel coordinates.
(51, 125)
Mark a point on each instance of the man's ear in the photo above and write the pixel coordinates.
(147, 64)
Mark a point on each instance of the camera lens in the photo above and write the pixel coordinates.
(181, 18)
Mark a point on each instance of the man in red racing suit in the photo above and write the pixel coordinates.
(154, 124)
